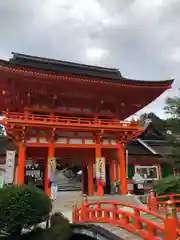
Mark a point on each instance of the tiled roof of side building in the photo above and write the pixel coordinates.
(77, 69)
(6, 143)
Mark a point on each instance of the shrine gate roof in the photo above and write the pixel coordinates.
(26, 77)
(57, 66)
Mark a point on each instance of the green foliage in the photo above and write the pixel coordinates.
(173, 124)
(60, 227)
(36, 234)
(22, 207)
(60, 230)
(158, 123)
(173, 107)
(167, 185)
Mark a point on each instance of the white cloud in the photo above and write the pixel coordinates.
(175, 55)
(95, 55)
(140, 37)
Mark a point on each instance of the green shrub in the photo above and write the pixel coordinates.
(167, 185)
(60, 230)
(22, 207)
(36, 234)
(60, 227)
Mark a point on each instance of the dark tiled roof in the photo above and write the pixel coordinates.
(5, 144)
(70, 68)
(164, 148)
(64, 67)
(152, 133)
(135, 147)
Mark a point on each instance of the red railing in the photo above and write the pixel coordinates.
(47, 118)
(134, 220)
(159, 203)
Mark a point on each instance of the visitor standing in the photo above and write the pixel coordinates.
(138, 182)
(1, 180)
(54, 186)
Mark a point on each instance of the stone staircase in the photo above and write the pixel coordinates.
(66, 183)
(62, 187)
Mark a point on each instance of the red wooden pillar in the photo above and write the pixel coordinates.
(90, 176)
(21, 162)
(100, 187)
(171, 223)
(122, 165)
(51, 154)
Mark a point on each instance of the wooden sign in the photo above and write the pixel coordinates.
(101, 170)
(10, 165)
(51, 165)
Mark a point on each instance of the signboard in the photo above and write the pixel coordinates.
(51, 168)
(127, 163)
(51, 165)
(101, 170)
(10, 166)
(148, 173)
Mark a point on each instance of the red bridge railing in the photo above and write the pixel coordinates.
(135, 220)
(159, 203)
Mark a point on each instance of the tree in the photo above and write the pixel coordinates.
(159, 123)
(168, 185)
(172, 108)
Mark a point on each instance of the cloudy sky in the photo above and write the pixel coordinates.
(140, 37)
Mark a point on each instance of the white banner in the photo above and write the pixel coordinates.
(127, 162)
(101, 170)
(10, 166)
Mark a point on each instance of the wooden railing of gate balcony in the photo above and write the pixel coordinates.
(47, 118)
(159, 203)
(134, 220)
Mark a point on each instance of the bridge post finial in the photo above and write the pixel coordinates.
(170, 222)
(171, 210)
(151, 201)
(85, 199)
(84, 212)
(75, 213)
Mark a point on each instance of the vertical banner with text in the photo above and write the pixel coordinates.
(101, 171)
(10, 166)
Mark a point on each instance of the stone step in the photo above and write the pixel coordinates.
(68, 188)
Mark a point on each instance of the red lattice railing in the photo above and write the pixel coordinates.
(137, 220)
(159, 203)
(15, 116)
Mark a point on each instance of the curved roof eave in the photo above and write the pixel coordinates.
(120, 80)
(145, 83)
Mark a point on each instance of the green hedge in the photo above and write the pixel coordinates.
(22, 207)
(60, 230)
